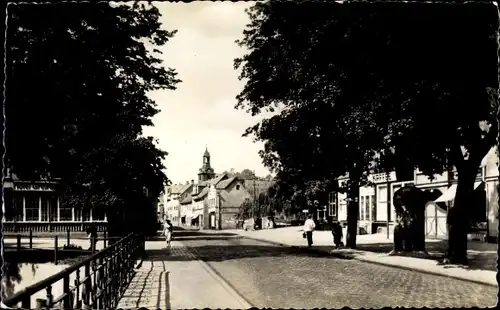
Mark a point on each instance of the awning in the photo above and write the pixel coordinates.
(452, 191)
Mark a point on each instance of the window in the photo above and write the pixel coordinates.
(86, 215)
(238, 187)
(332, 204)
(53, 208)
(361, 214)
(367, 207)
(78, 214)
(374, 209)
(45, 209)
(382, 194)
(98, 214)
(18, 208)
(32, 208)
(65, 213)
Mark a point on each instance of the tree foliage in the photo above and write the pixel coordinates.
(352, 80)
(88, 71)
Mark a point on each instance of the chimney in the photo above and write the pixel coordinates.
(187, 182)
(192, 181)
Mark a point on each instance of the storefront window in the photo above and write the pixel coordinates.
(32, 205)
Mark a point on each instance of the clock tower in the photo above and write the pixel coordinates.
(206, 172)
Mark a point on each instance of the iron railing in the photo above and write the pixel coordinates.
(106, 276)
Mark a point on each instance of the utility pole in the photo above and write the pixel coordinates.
(254, 194)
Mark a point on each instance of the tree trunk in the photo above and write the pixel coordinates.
(352, 212)
(458, 216)
(418, 229)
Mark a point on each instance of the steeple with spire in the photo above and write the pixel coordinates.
(206, 172)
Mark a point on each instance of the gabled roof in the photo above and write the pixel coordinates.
(176, 188)
(185, 188)
(186, 200)
(218, 178)
(224, 184)
(202, 194)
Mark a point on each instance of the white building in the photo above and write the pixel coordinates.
(376, 211)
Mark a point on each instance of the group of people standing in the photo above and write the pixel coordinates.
(335, 227)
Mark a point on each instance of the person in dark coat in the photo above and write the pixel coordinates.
(337, 234)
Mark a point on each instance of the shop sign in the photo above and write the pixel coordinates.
(34, 187)
(382, 177)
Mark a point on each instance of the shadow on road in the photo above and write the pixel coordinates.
(221, 252)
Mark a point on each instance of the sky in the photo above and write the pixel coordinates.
(200, 112)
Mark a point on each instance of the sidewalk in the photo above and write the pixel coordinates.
(177, 280)
(373, 248)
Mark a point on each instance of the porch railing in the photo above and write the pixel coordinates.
(52, 226)
(106, 276)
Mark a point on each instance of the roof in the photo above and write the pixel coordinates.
(186, 200)
(185, 188)
(224, 184)
(202, 194)
(206, 154)
(261, 186)
(218, 178)
(176, 188)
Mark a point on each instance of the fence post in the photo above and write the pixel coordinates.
(18, 242)
(55, 250)
(67, 304)
(67, 237)
(31, 238)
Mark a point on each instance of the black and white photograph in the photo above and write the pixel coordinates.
(250, 154)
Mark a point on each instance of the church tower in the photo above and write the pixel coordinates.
(206, 172)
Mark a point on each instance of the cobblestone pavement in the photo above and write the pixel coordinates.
(176, 279)
(273, 276)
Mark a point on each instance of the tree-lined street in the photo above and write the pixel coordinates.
(282, 277)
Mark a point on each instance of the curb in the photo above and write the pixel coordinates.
(357, 257)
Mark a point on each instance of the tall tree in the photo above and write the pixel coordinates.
(312, 59)
(89, 72)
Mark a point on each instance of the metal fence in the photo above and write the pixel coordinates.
(106, 276)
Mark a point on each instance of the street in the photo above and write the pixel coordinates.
(272, 276)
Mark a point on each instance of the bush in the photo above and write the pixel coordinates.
(72, 247)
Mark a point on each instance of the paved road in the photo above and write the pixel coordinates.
(272, 276)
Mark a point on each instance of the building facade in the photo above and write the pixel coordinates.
(38, 206)
(376, 207)
(214, 201)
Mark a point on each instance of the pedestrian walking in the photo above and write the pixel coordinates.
(337, 234)
(308, 230)
(167, 231)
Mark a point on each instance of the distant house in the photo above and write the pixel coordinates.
(175, 194)
(224, 201)
(213, 201)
